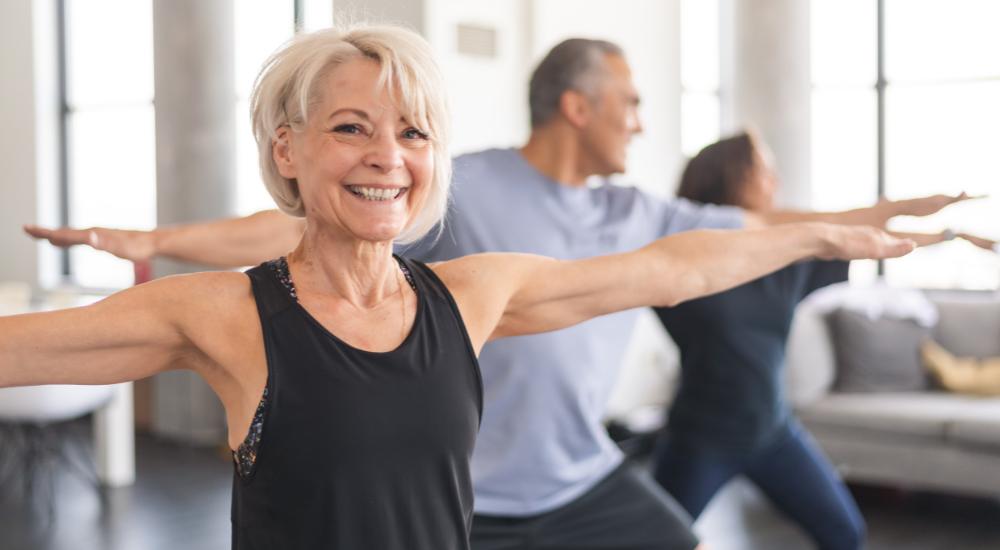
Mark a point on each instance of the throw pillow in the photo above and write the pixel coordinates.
(881, 355)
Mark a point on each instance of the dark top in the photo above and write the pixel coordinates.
(360, 450)
(732, 347)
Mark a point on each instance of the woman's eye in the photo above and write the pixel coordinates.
(413, 133)
(348, 129)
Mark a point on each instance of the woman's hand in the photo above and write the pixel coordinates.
(223, 243)
(877, 215)
(985, 244)
(136, 246)
(925, 206)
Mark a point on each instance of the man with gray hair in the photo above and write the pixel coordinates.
(545, 472)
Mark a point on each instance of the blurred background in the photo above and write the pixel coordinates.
(134, 113)
(857, 98)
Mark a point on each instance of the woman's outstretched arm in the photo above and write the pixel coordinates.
(513, 294)
(877, 215)
(225, 243)
(135, 333)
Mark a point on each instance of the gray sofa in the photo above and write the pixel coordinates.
(932, 440)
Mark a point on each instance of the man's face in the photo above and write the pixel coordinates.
(614, 118)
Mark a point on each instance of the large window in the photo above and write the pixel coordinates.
(262, 26)
(905, 104)
(108, 118)
(110, 168)
(700, 122)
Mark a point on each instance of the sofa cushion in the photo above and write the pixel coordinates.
(976, 433)
(969, 328)
(881, 355)
(920, 414)
(978, 425)
(943, 417)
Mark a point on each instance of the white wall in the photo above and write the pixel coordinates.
(488, 95)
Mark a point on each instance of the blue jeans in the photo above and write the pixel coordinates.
(791, 471)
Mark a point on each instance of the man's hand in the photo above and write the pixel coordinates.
(130, 245)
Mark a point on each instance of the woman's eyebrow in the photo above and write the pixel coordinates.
(357, 112)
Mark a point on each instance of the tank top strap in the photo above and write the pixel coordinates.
(424, 278)
(271, 294)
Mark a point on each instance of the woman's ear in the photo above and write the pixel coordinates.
(281, 152)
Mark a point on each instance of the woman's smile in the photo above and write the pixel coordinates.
(377, 193)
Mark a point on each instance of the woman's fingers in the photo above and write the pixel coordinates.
(985, 244)
(63, 236)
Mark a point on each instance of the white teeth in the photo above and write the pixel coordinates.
(376, 193)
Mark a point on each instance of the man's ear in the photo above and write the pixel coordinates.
(575, 107)
(281, 152)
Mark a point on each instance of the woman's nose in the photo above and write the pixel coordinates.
(384, 154)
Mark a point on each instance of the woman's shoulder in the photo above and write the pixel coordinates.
(224, 284)
(208, 295)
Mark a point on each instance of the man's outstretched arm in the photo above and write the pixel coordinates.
(225, 243)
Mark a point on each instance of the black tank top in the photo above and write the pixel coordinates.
(361, 450)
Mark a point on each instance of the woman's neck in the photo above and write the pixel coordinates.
(363, 273)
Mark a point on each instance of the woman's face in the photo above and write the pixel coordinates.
(361, 167)
(761, 184)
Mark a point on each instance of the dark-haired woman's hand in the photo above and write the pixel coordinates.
(985, 244)
(925, 206)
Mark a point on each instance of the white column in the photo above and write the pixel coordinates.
(18, 148)
(195, 169)
(766, 79)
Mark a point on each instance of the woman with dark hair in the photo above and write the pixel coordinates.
(730, 416)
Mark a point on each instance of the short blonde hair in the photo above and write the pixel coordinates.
(292, 82)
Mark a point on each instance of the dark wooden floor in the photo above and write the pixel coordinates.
(181, 501)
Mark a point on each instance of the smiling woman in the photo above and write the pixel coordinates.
(400, 97)
(349, 375)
